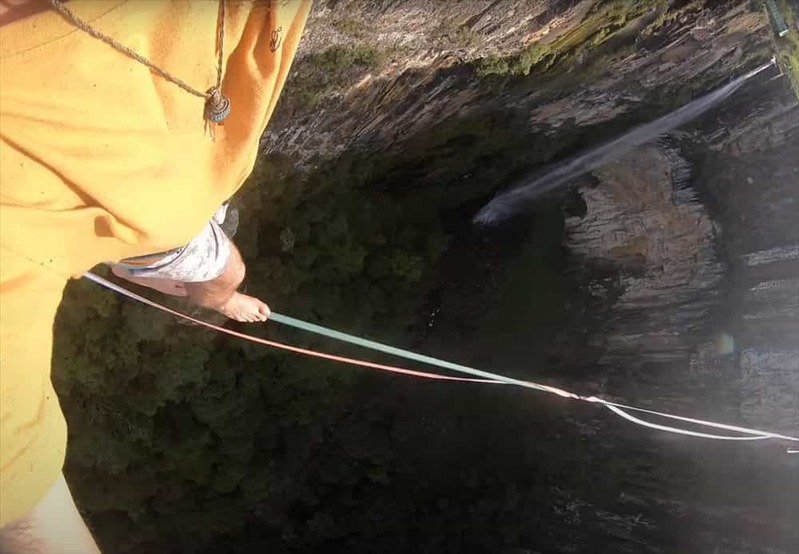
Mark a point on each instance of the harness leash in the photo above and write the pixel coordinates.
(478, 376)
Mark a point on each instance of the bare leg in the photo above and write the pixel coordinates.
(54, 526)
(220, 294)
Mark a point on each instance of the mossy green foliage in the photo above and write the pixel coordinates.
(340, 58)
(353, 27)
(668, 13)
(601, 24)
(320, 73)
(453, 35)
(789, 44)
(519, 64)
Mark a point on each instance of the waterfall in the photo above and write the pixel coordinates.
(511, 202)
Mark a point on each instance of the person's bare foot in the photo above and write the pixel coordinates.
(246, 309)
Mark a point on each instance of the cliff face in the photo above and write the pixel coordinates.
(642, 217)
(603, 58)
(700, 229)
(709, 256)
(598, 62)
(756, 187)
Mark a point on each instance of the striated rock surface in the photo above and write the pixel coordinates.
(427, 75)
(642, 220)
(708, 251)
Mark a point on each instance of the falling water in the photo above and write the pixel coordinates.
(510, 202)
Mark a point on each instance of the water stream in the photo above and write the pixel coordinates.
(509, 203)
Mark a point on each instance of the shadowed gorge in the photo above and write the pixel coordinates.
(667, 277)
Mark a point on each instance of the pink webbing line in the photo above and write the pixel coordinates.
(618, 409)
(279, 345)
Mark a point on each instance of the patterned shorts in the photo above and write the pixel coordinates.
(204, 258)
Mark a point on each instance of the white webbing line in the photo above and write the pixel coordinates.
(618, 409)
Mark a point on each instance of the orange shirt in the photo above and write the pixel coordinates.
(101, 159)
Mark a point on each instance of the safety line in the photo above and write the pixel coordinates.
(281, 346)
(621, 413)
(407, 354)
(485, 377)
(614, 407)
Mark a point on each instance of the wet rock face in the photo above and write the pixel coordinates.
(754, 182)
(708, 252)
(641, 220)
(705, 233)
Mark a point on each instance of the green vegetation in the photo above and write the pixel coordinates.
(666, 16)
(789, 44)
(452, 35)
(600, 25)
(355, 28)
(320, 73)
(518, 64)
(338, 59)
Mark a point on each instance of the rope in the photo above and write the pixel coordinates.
(484, 376)
(59, 6)
(296, 349)
(628, 417)
(220, 42)
(373, 345)
(618, 409)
